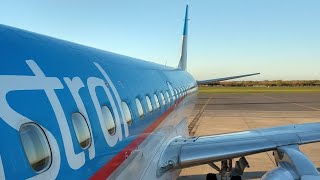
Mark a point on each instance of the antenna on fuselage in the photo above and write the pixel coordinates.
(183, 58)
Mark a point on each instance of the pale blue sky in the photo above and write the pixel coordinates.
(278, 38)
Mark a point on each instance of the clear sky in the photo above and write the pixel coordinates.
(278, 38)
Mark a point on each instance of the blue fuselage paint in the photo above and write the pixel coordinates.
(24, 54)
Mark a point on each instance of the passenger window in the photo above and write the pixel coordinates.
(171, 91)
(127, 113)
(157, 101)
(173, 96)
(177, 93)
(162, 99)
(82, 130)
(109, 120)
(36, 147)
(149, 103)
(140, 109)
(168, 97)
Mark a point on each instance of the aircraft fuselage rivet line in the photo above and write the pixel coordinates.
(193, 126)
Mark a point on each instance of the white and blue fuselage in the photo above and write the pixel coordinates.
(45, 81)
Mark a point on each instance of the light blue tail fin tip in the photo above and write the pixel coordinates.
(183, 58)
(185, 29)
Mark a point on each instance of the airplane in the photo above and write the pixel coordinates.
(68, 111)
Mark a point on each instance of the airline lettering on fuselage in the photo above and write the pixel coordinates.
(49, 85)
(74, 86)
(2, 175)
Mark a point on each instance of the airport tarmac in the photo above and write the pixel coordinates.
(224, 113)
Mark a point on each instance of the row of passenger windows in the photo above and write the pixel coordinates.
(36, 145)
(176, 94)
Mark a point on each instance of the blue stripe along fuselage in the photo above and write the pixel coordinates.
(22, 52)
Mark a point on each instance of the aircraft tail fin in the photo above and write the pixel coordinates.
(183, 58)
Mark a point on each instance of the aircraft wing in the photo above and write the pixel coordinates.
(187, 152)
(224, 78)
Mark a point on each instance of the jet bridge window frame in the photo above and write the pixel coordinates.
(30, 135)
